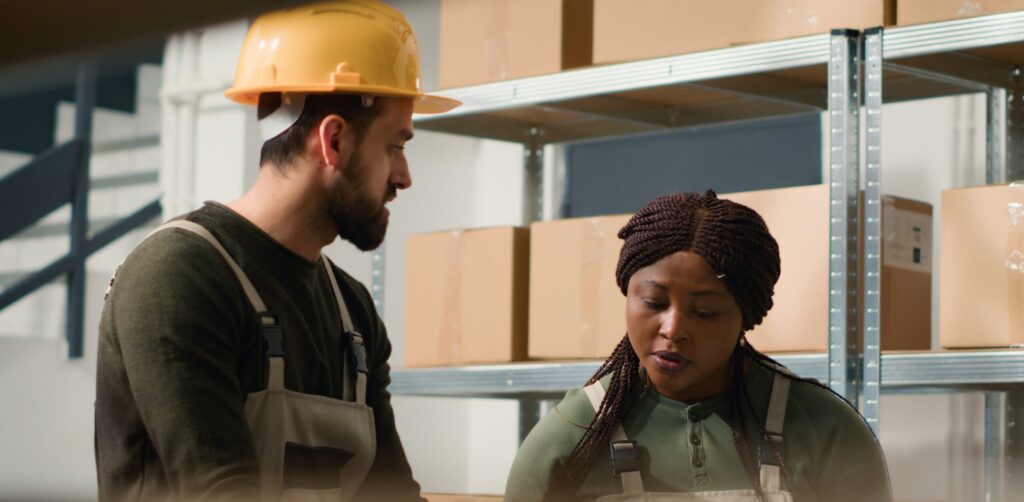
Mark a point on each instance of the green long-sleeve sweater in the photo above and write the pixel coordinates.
(830, 454)
(180, 349)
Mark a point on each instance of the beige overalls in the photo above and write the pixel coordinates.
(626, 463)
(310, 447)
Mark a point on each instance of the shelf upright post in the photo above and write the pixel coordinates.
(995, 447)
(1013, 432)
(1004, 410)
(377, 280)
(1015, 125)
(529, 416)
(533, 210)
(872, 357)
(844, 184)
(995, 135)
(533, 175)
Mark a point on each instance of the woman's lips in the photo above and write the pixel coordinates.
(670, 361)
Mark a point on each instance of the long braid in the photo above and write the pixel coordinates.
(738, 424)
(625, 369)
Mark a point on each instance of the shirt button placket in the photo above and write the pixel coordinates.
(698, 460)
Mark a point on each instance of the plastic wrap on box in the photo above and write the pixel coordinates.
(931, 11)
(981, 301)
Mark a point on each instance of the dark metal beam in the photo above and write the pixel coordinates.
(85, 100)
(125, 225)
(38, 188)
(35, 281)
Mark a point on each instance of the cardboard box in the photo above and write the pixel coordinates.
(576, 309)
(981, 281)
(490, 40)
(466, 296)
(930, 11)
(449, 497)
(626, 30)
(798, 322)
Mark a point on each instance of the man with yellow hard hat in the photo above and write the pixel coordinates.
(235, 361)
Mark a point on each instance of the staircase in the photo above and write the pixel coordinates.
(37, 258)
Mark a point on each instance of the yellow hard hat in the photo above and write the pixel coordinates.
(356, 46)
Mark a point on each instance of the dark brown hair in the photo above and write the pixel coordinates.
(282, 149)
(734, 241)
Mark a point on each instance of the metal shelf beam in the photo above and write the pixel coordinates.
(957, 35)
(601, 80)
(966, 370)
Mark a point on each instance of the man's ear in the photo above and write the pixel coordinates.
(330, 132)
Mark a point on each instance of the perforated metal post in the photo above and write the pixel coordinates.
(995, 451)
(844, 122)
(377, 280)
(529, 416)
(533, 210)
(1013, 456)
(1015, 126)
(995, 146)
(533, 175)
(872, 356)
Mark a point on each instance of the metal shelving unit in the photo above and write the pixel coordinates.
(982, 54)
(822, 72)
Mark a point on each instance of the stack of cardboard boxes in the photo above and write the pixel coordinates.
(548, 292)
(492, 40)
(478, 312)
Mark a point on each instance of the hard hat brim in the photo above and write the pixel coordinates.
(426, 104)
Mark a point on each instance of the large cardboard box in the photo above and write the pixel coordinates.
(930, 11)
(981, 278)
(576, 309)
(490, 40)
(626, 30)
(798, 218)
(466, 296)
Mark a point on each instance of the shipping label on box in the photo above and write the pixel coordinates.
(907, 243)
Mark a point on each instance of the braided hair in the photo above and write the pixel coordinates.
(735, 242)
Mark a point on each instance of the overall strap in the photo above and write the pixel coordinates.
(771, 478)
(356, 340)
(625, 454)
(270, 324)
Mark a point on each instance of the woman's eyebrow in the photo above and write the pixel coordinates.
(703, 292)
(652, 282)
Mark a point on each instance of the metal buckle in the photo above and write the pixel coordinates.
(358, 351)
(270, 328)
(767, 446)
(625, 457)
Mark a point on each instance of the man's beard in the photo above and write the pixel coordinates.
(359, 218)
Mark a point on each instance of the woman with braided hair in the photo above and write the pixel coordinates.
(684, 408)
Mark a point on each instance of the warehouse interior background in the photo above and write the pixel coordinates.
(162, 129)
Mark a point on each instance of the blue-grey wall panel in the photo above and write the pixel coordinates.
(621, 175)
